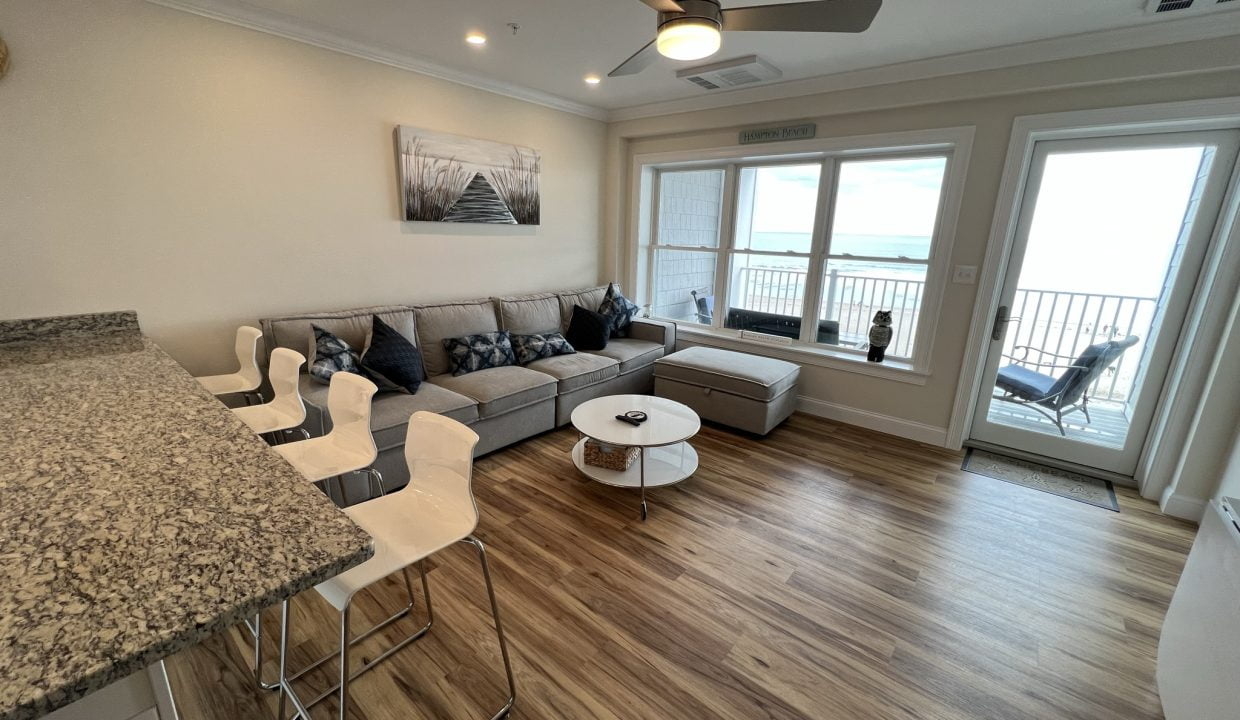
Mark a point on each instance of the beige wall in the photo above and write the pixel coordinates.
(206, 175)
(972, 99)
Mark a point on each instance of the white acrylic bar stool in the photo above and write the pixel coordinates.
(435, 510)
(286, 411)
(349, 447)
(247, 379)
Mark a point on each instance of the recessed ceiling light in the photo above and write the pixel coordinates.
(593, 79)
(476, 38)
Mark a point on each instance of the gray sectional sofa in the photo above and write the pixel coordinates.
(503, 405)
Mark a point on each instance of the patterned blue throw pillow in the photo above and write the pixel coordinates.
(479, 352)
(619, 310)
(529, 348)
(331, 355)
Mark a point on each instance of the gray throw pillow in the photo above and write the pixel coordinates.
(479, 352)
(331, 355)
(529, 348)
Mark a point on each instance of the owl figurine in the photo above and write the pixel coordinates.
(880, 336)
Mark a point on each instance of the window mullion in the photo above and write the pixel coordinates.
(818, 251)
(652, 282)
(727, 241)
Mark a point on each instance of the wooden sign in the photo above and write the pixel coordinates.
(776, 134)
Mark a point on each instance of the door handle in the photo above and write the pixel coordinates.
(1001, 318)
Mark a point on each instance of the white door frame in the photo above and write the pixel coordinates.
(1205, 327)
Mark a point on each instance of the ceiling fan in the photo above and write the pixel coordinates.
(690, 29)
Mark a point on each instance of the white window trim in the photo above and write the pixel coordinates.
(957, 142)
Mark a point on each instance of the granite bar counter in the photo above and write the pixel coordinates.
(138, 516)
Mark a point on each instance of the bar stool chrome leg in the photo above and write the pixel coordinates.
(376, 479)
(286, 688)
(347, 642)
(256, 632)
(499, 628)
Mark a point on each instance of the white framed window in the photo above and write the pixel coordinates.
(804, 245)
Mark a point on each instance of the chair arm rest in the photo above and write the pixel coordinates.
(1024, 349)
(658, 331)
(1030, 363)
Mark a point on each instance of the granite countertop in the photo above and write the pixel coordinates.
(138, 515)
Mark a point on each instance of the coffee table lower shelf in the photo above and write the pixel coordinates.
(664, 465)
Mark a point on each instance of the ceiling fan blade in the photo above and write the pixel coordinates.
(664, 5)
(820, 16)
(637, 62)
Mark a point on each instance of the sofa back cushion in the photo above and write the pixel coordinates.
(450, 320)
(352, 326)
(529, 314)
(589, 298)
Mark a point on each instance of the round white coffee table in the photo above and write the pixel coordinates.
(664, 459)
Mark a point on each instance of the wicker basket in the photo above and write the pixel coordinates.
(612, 457)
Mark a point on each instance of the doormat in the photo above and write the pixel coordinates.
(1091, 491)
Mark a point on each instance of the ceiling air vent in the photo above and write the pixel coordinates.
(731, 73)
(1154, 7)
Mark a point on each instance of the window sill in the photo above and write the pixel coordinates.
(898, 371)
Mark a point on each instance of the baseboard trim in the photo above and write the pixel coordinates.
(921, 432)
(1183, 506)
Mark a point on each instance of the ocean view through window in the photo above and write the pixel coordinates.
(764, 247)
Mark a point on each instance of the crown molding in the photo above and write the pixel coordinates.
(1163, 32)
(293, 29)
(1151, 34)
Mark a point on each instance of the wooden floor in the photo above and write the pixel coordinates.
(823, 572)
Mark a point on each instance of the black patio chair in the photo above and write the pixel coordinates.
(1024, 383)
(704, 306)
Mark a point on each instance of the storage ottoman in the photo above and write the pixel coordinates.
(736, 389)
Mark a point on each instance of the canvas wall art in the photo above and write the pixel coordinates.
(450, 178)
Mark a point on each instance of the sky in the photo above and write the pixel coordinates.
(875, 197)
(1106, 222)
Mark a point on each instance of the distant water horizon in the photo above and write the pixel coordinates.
(893, 246)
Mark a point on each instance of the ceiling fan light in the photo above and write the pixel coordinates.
(688, 39)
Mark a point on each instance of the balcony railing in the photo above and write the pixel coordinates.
(1058, 322)
(1068, 322)
(850, 300)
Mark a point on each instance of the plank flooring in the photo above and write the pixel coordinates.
(823, 572)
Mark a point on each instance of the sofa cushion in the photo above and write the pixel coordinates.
(586, 297)
(577, 370)
(479, 352)
(588, 330)
(631, 353)
(751, 376)
(390, 412)
(351, 326)
(331, 355)
(499, 390)
(450, 320)
(529, 314)
(619, 310)
(391, 361)
(529, 348)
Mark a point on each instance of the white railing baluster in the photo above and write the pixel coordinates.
(852, 300)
